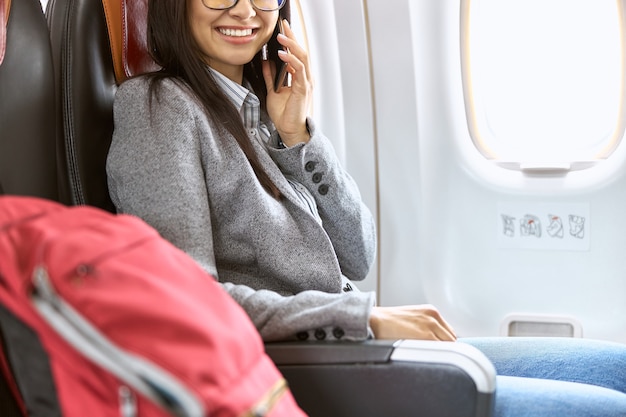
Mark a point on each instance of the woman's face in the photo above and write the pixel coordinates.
(228, 39)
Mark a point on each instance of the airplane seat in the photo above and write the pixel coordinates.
(27, 103)
(96, 45)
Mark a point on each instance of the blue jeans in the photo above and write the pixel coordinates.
(556, 377)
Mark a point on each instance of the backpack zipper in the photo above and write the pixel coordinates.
(144, 377)
(128, 402)
(269, 400)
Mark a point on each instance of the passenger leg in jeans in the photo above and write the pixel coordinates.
(556, 376)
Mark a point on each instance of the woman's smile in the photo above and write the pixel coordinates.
(237, 35)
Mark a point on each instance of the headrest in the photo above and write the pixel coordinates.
(5, 7)
(127, 26)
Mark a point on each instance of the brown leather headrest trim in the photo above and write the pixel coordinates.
(136, 57)
(113, 14)
(5, 8)
(127, 22)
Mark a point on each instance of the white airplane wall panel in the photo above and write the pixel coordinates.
(465, 270)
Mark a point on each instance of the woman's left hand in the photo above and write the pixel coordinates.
(289, 106)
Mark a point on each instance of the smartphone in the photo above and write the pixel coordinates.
(271, 52)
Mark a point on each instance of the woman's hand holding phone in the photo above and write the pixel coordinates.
(288, 106)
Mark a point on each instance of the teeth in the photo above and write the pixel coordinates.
(236, 32)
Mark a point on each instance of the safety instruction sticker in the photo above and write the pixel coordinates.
(544, 226)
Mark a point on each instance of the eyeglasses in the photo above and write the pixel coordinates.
(263, 5)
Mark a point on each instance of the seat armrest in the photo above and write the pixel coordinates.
(387, 378)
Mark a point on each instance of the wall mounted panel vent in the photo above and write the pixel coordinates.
(517, 325)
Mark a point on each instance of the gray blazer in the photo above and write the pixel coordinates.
(190, 180)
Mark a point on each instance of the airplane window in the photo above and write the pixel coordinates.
(544, 79)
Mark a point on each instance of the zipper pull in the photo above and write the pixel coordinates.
(128, 402)
(42, 286)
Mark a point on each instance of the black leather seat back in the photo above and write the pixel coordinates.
(27, 103)
(86, 87)
(88, 36)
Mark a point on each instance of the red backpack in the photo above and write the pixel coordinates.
(100, 316)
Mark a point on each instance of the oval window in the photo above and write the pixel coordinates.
(544, 79)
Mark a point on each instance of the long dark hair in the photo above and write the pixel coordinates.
(175, 50)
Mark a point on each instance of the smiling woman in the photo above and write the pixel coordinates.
(259, 190)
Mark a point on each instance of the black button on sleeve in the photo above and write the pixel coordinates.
(303, 335)
(317, 177)
(323, 189)
(320, 334)
(338, 332)
(309, 166)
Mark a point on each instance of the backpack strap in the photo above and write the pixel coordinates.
(5, 7)
(24, 358)
(127, 22)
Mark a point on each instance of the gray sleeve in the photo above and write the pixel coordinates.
(309, 315)
(346, 219)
